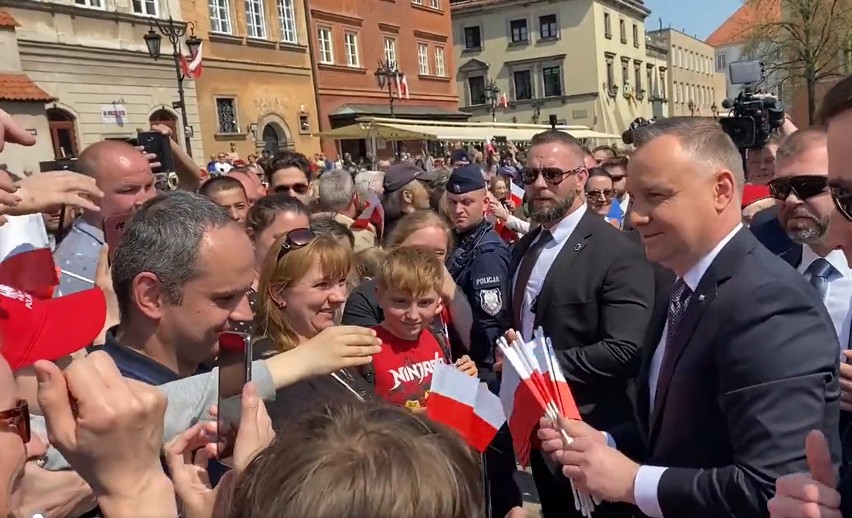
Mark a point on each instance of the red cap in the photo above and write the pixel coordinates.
(32, 329)
(753, 193)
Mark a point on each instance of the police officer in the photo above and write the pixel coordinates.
(480, 267)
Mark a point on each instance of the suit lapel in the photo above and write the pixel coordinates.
(562, 264)
(652, 340)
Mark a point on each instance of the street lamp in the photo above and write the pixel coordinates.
(174, 31)
(715, 110)
(691, 106)
(388, 75)
(492, 95)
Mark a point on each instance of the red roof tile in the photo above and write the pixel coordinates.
(737, 28)
(20, 88)
(7, 20)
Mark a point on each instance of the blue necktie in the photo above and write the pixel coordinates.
(820, 270)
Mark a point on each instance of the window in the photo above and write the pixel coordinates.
(477, 89)
(637, 74)
(417, 2)
(649, 82)
(436, 4)
(552, 77)
(350, 42)
(547, 26)
(635, 35)
(721, 62)
(520, 33)
(440, 66)
(607, 26)
(287, 21)
(622, 29)
(97, 4)
(146, 7)
(255, 25)
(472, 38)
(523, 84)
(390, 51)
(423, 58)
(610, 75)
(624, 77)
(663, 83)
(226, 113)
(325, 45)
(220, 16)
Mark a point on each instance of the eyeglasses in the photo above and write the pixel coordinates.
(19, 417)
(296, 239)
(299, 188)
(842, 198)
(803, 186)
(600, 193)
(552, 175)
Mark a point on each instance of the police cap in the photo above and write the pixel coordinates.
(466, 179)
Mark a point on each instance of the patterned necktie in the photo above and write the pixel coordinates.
(820, 270)
(677, 307)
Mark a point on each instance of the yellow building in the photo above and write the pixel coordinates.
(696, 89)
(256, 91)
(584, 61)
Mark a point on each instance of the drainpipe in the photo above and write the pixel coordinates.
(314, 69)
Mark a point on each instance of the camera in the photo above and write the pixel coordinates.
(753, 118)
(627, 136)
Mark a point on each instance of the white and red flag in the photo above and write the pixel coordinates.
(504, 101)
(373, 216)
(26, 261)
(403, 88)
(192, 68)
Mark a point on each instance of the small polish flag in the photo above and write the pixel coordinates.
(372, 216)
(452, 397)
(404, 88)
(517, 194)
(26, 261)
(504, 101)
(488, 418)
(193, 68)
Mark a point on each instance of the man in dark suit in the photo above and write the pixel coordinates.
(588, 287)
(741, 363)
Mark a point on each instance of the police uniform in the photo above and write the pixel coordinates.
(480, 267)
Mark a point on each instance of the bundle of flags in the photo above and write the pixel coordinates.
(373, 216)
(192, 66)
(533, 387)
(462, 403)
(26, 260)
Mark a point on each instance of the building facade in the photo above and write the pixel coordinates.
(696, 89)
(349, 38)
(530, 52)
(256, 90)
(657, 69)
(91, 58)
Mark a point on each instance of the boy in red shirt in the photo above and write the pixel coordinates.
(408, 288)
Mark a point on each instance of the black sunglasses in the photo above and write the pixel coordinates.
(600, 193)
(552, 175)
(19, 417)
(295, 239)
(842, 198)
(299, 188)
(803, 186)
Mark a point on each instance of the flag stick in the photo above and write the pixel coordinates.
(486, 485)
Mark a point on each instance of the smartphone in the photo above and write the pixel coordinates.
(235, 353)
(63, 164)
(158, 144)
(113, 230)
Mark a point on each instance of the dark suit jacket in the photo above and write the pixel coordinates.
(595, 304)
(756, 370)
(768, 230)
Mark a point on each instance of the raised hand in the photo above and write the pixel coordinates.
(44, 192)
(808, 495)
(466, 365)
(337, 348)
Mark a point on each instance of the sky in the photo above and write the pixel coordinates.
(697, 18)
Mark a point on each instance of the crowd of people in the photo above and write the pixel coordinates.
(699, 304)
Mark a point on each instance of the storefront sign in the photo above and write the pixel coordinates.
(113, 113)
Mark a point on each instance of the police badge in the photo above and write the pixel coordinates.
(491, 301)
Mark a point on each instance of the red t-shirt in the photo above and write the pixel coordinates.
(403, 370)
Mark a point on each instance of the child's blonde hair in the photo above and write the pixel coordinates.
(412, 270)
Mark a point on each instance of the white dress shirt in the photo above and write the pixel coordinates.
(648, 477)
(560, 232)
(624, 203)
(838, 297)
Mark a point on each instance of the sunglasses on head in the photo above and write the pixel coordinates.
(842, 198)
(19, 417)
(598, 193)
(296, 239)
(803, 186)
(552, 175)
(299, 188)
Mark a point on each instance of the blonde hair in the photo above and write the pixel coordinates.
(413, 270)
(355, 461)
(415, 221)
(334, 260)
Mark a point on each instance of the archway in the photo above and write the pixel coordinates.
(273, 134)
(165, 118)
(63, 133)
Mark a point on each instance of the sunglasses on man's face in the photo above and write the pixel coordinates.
(803, 186)
(600, 193)
(296, 239)
(842, 198)
(19, 417)
(552, 175)
(299, 188)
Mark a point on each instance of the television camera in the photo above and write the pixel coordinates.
(754, 115)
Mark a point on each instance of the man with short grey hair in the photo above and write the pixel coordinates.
(338, 199)
(180, 274)
(369, 181)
